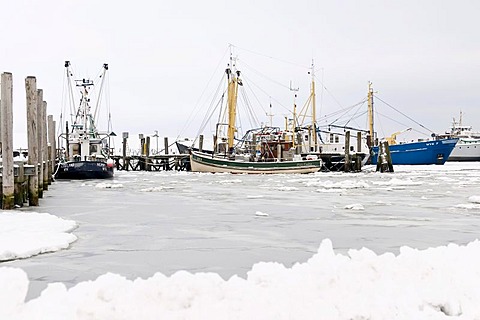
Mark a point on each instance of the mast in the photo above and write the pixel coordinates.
(102, 76)
(233, 82)
(294, 120)
(370, 113)
(314, 111)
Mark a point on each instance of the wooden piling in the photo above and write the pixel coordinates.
(31, 92)
(40, 141)
(384, 159)
(347, 152)
(148, 161)
(46, 164)
(8, 196)
(147, 147)
(124, 151)
(19, 184)
(51, 148)
(200, 143)
(165, 140)
(54, 146)
(359, 142)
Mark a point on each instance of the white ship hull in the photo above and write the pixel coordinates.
(466, 150)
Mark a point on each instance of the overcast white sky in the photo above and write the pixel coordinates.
(422, 56)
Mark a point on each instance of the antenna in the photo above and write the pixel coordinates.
(270, 115)
(293, 89)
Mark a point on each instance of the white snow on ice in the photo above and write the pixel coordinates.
(436, 283)
(24, 234)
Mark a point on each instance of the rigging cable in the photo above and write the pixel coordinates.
(196, 109)
(421, 125)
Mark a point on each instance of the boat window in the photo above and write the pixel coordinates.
(351, 148)
(337, 139)
(75, 147)
(331, 137)
(93, 148)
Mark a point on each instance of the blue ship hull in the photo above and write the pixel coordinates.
(83, 170)
(416, 153)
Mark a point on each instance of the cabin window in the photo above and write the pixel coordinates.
(331, 137)
(337, 139)
(351, 148)
(306, 137)
(75, 147)
(93, 148)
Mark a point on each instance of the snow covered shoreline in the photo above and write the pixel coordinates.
(436, 283)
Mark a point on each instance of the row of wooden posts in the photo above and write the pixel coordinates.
(145, 161)
(25, 182)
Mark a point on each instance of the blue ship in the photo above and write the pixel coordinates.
(415, 153)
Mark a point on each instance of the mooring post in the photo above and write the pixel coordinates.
(31, 91)
(165, 141)
(19, 181)
(40, 141)
(384, 159)
(359, 142)
(54, 146)
(200, 143)
(124, 152)
(8, 187)
(51, 148)
(347, 151)
(141, 161)
(148, 167)
(389, 157)
(46, 164)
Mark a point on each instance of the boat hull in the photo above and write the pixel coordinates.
(419, 153)
(207, 163)
(330, 161)
(83, 170)
(466, 151)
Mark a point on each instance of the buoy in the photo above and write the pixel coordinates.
(110, 163)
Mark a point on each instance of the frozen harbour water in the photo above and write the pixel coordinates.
(216, 227)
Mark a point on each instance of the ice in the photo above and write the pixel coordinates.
(24, 234)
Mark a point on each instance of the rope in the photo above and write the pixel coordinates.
(403, 114)
(196, 109)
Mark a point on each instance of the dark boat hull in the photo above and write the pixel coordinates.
(83, 170)
(419, 153)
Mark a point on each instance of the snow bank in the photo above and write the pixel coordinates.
(437, 283)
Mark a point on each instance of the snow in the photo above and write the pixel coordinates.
(24, 234)
(104, 185)
(354, 206)
(436, 283)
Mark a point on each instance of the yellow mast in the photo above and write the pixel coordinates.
(314, 111)
(233, 82)
(370, 111)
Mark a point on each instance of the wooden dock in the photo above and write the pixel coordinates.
(24, 181)
(164, 162)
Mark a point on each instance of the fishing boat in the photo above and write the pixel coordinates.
(263, 150)
(422, 152)
(308, 139)
(87, 152)
(468, 145)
